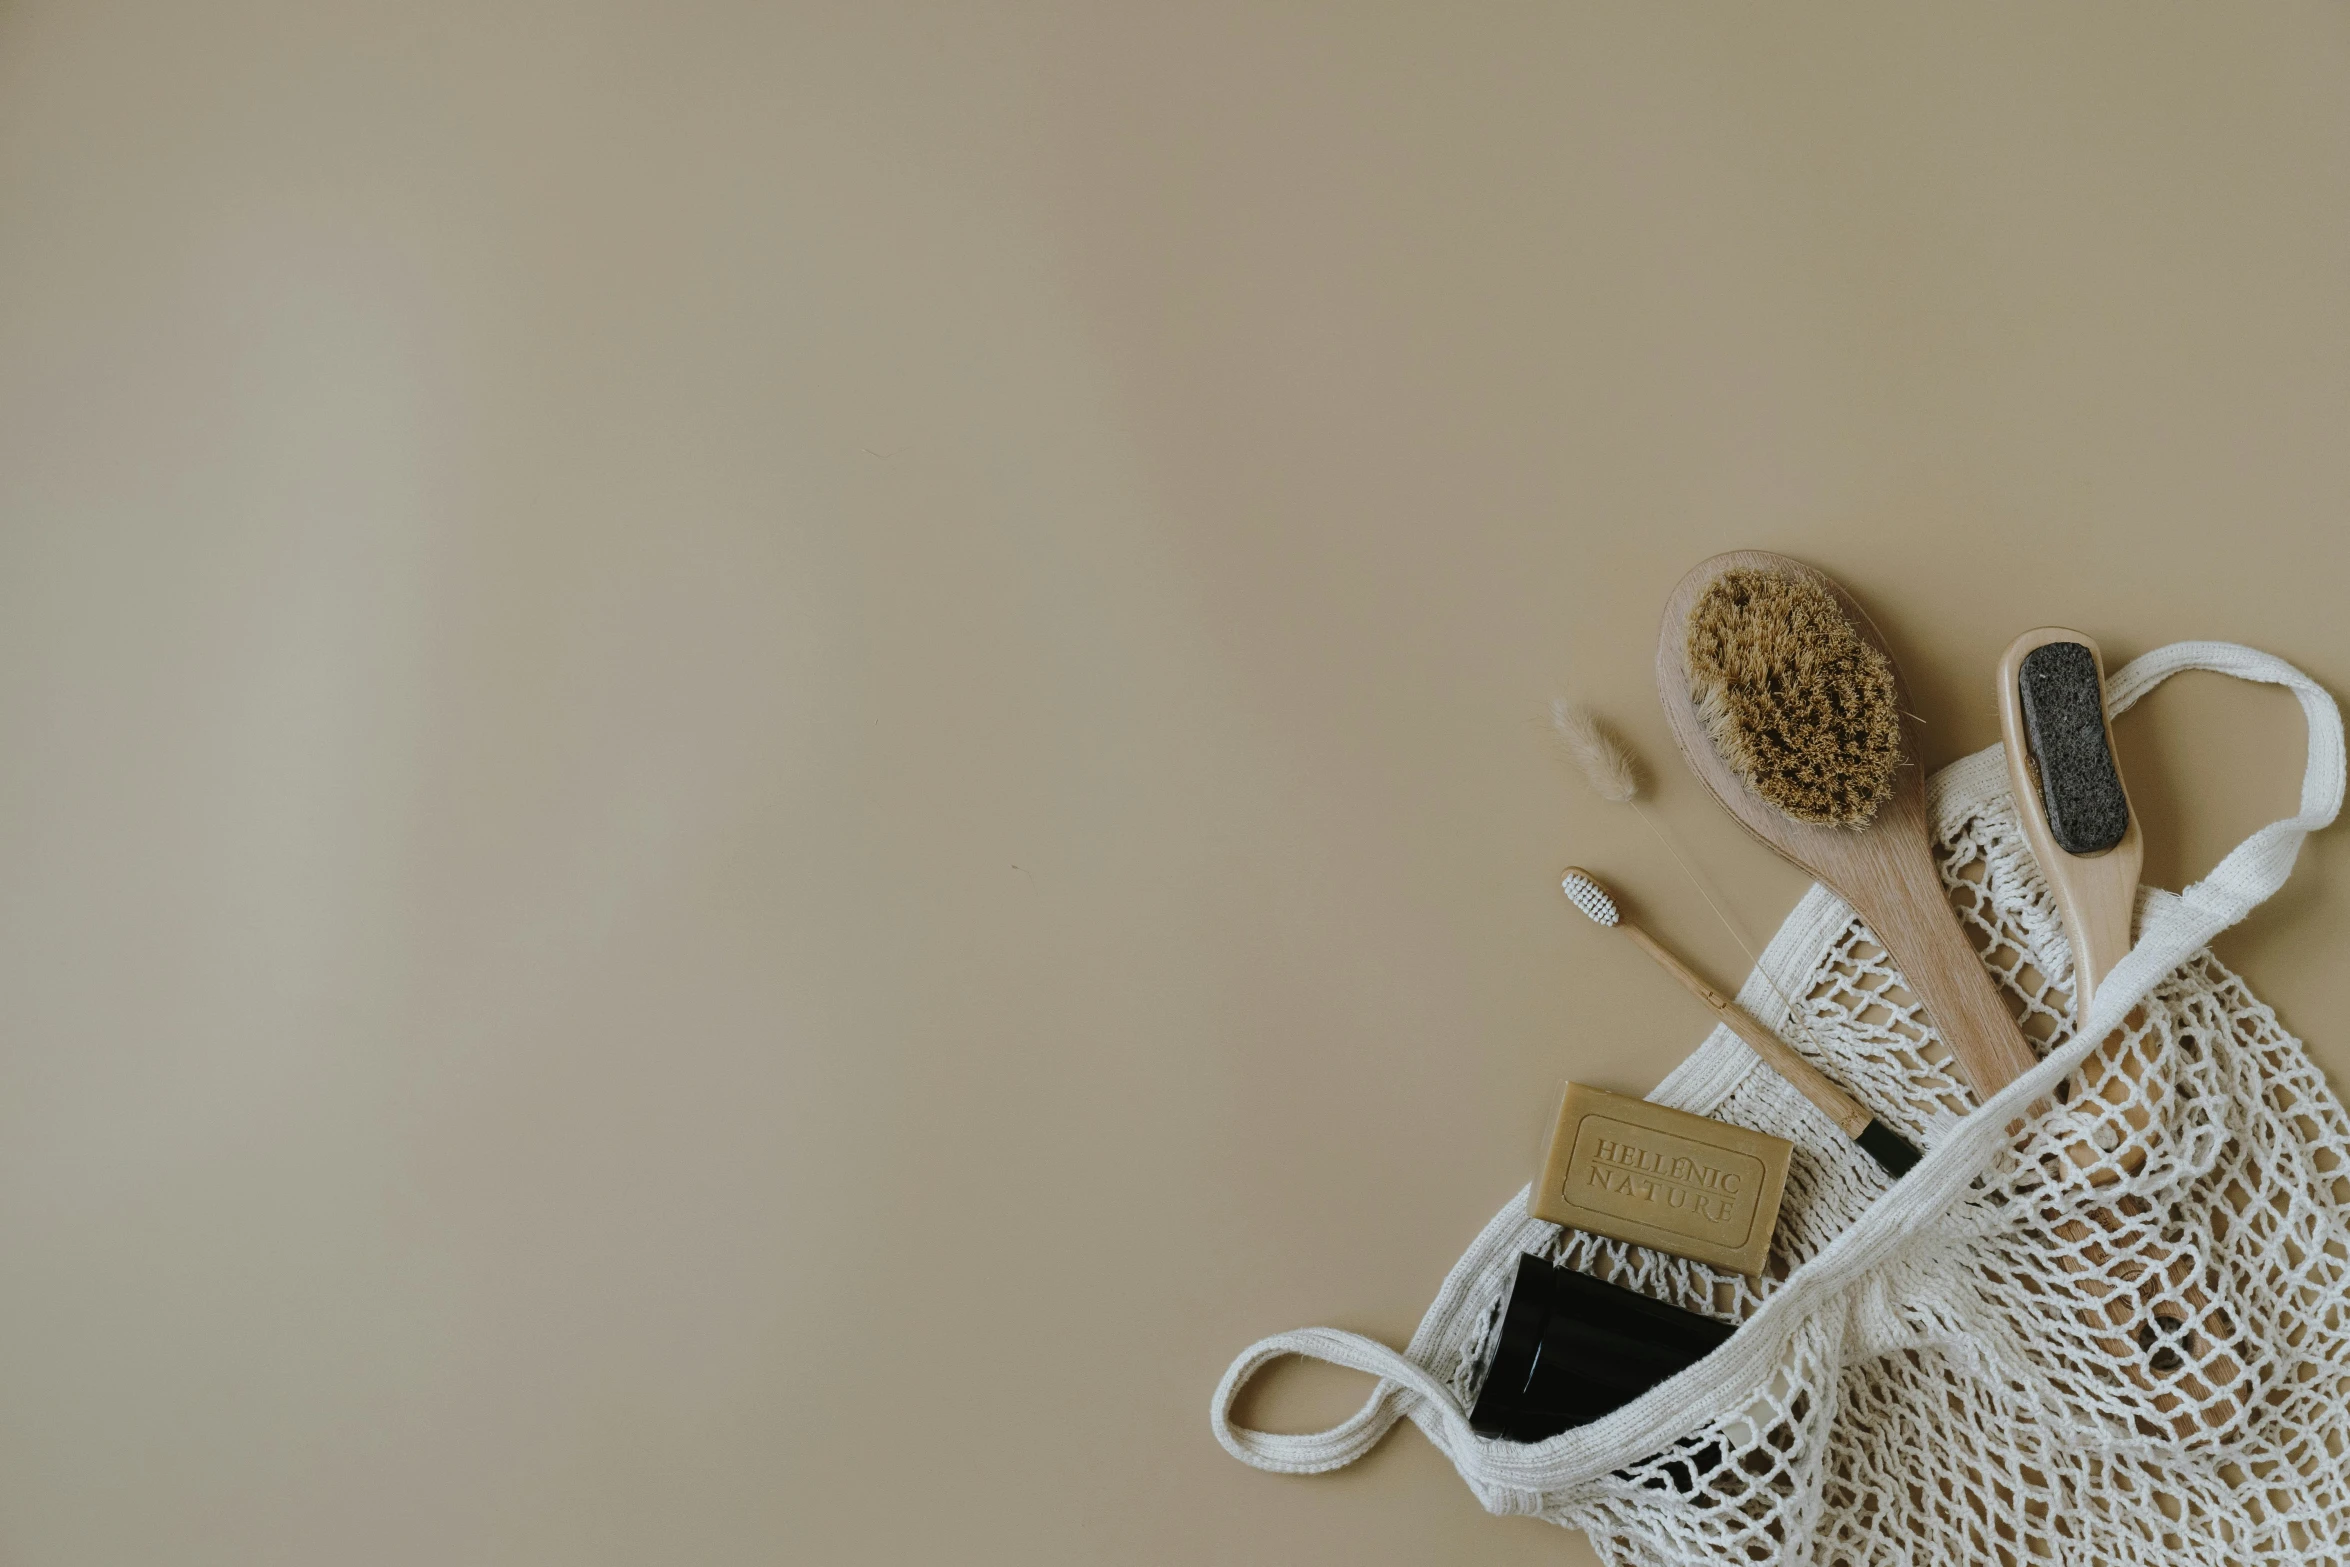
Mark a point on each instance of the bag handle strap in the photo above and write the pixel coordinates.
(1403, 1384)
(2255, 868)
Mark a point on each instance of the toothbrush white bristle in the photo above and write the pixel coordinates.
(1584, 892)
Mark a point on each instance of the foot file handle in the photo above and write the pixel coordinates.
(2076, 814)
(2068, 791)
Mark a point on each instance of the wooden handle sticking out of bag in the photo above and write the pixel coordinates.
(2076, 814)
(2075, 810)
(2069, 792)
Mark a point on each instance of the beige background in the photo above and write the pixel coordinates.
(759, 762)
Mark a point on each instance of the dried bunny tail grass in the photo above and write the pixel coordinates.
(1613, 774)
(1804, 709)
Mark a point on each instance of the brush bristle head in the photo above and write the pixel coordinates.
(1803, 708)
(1584, 892)
(1614, 777)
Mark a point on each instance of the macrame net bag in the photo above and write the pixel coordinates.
(2106, 1320)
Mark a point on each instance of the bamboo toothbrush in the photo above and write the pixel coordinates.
(1879, 1141)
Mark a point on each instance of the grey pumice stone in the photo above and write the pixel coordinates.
(2064, 719)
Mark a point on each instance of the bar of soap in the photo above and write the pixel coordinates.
(1666, 1179)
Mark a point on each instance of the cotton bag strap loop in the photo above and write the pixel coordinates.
(1507, 1476)
(2255, 868)
(1315, 1452)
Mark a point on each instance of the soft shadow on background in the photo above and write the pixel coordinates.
(762, 762)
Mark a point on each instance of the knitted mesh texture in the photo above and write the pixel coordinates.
(2130, 1345)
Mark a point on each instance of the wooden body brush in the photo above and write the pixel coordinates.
(1787, 705)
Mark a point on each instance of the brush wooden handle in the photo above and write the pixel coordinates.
(1885, 870)
(2096, 893)
(1850, 1115)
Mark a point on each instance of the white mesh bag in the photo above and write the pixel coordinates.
(2106, 1320)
